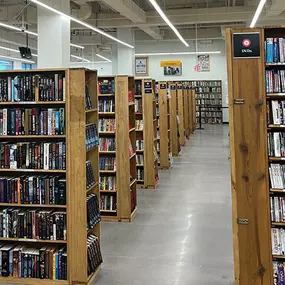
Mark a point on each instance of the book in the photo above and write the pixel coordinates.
(106, 105)
(92, 138)
(88, 101)
(107, 163)
(107, 144)
(108, 202)
(107, 125)
(93, 211)
(90, 178)
(269, 50)
(108, 183)
(106, 86)
(94, 255)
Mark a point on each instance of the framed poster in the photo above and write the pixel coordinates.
(204, 62)
(141, 66)
(173, 70)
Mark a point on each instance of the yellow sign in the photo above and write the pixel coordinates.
(166, 63)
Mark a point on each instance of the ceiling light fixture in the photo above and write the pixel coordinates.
(163, 16)
(80, 58)
(15, 58)
(30, 33)
(101, 56)
(80, 22)
(14, 50)
(257, 13)
(91, 62)
(177, 53)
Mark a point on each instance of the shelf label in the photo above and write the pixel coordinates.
(179, 87)
(147, 85)
(148, 91)
(172, 87)
(27, 239)
(163, 86)
(246, 45)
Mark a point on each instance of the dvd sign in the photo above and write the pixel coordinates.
(246, 45)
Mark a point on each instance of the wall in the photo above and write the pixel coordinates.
(218, 69)
(102, 68)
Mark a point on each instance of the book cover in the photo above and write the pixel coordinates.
(269, 50)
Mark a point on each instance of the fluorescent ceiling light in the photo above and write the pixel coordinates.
(177, 53)
(80, 58)
(257, 13)
(96, 62)
(81, 23)
(77, 46)
(14, 50)
(30, 33)
(163, 16)
(15, 58)
(101, 56)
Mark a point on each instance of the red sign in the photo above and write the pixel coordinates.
(197, 67)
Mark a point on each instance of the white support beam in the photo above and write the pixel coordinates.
(153, 32)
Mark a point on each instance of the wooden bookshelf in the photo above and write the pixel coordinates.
(180, 113)
(186, 99)
(164, 125)
(147, 172)
(252, 238)
(190, 109)
(76, 118)
(124, 196)
(175, 144)
(194, 107)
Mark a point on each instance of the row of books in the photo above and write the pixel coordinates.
(131, 149)
(277, 209)
(93, 212)
(33, 224)
(139, 159)
(88, 101)
(277, 175)
(107, 144)
(35, 121)
(274, 50)
(216, 102)
(208, 89)
(276, 144)
(213, 96)
(275, 81)
(278, 272)
(278, 241)
(209, 114)
(94, 255)
(276, 114)
(108, 202)
(139, 125)
(44, 87)
(21, 261)
(106, 86)
(107, 163)
(90, 178)
(30, 155)
(107, 125)
(108, 183)
(106, 105)
(138, 106)
(92, 138)
(208, 83)
(139, 145)
(207, 120)
(138, 87)
(40, 189)
(140, 174)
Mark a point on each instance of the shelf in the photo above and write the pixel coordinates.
(34, 137)
(32, 205)
(131, 103)
(107, 113)
(137, 130)
(92, 187)
(277, 158)
(278, 256)
(32, 281)
(140, 165)
(107, 171)
(106, 95)
(140, 150)
(95, 147)
(131, 157)
(93, 276)
(91, 111)
(33, 240)
(34, 103)
(275, 95)
(107, 152)
(132, 129)
(140, 181)
(32, 170)
(108, 191)
(133, 182)
(275, 64)
(277, 190)
(278, 224)
(109, 211)
(276, 126)
(107, 133)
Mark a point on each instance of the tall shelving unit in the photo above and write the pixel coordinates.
(146, 133)
(209, 98)
(175, 144)
(69, 87)
(164, 125)
(180, 113)
(194, 108)
(118, 166)
(186, 99)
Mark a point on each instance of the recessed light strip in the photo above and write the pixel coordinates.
(101, 56)
(176, 53)
(80, 58)
(14, 58)
(257, 13)
(31, 33)
(166, 20)
(81, 23)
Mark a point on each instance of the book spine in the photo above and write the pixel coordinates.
(269, 50)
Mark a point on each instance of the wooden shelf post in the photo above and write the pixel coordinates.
(186, 110)
(180, 113)
(173, 119)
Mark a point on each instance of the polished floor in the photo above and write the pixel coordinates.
(182, 232)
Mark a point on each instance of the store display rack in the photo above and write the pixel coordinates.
(146, 134)
(180, 113)
(28, 90)
(117, 148)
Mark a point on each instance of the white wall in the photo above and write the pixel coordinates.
(218, 69)
(102, 68)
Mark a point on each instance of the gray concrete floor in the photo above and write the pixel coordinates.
(182, 232)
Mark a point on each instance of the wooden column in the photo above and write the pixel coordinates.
(173, 119)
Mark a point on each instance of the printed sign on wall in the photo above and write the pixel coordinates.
(141, 66)
(203, 62)
(246, 45)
